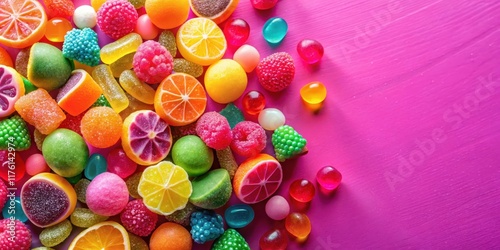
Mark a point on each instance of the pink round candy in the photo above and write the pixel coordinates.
(36, 164)
(107, 194)
(120, 164)
(311, 51)
(277, 207)
(302, 190)
(263, 4)
(329, 178)
(248, 57)
(146, 28)
(236, 32)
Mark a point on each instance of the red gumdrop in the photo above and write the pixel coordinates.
(274, 239)
(329, 178)
(263, 4)
(236, 32)
(12, 168)
(311, 51)
(120, 164)
(302, 190)
(254, 102)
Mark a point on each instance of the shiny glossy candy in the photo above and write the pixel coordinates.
(274, 30)
(311, 51)
(12, 166)
(247, 56)
(146, 28)
(263, 4)
(85, 17)
(313, 92)
(302, 190)
(254, 102)
(274, 239)
(277, 208)
(56, 29)
(238, 216)
(120, 164)
(271, 118)
(298, 225)
(329, 178)
(13, 208)
(236, 32)
(96, 165)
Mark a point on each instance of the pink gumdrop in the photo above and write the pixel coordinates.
(311, 51)
(248, 57)
(36, 164)
(120, 164)
(263, 4)
(107, 194)
(329, 178)
(236, 32)
(146, 28)
(277, 208)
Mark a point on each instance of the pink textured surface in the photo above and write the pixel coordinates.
(411, 120)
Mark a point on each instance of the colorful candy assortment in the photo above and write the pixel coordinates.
(128, 119)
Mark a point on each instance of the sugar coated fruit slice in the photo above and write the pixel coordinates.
(257, 178)
(101, 127)
(146, 138)
(107, 194)
(57, 194)
(39, 109)
(47, 66)
(11, 89)
(79, 93)
(211, 190)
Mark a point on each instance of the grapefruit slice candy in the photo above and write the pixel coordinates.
(146, 138)
(257, 178)
(11, 89)
(22, 22)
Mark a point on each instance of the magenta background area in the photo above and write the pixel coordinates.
(411, 120)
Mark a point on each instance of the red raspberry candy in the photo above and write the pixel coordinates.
(117, 18)
(73, 122)
(138, 219)
(152, 62)
(249, 139)
(59, 8)
(276, 71)
(3, 194)
(22, 239)
(214, 130)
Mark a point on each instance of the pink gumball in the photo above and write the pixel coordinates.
(36, 164)
(277, 208)
(107, 194)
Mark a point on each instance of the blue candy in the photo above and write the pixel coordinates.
(81, 45)
(206, 225)
(274, 30)
(96, 165)
(238, 216)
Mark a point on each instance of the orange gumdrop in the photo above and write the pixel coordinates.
(101, 127)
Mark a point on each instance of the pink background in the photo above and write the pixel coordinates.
(411, 120)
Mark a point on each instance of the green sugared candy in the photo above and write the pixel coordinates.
(182, 216)
(81, 189)
(184, 66)
(211, 190)
(75, 179)
(55, 235)
(42, 248)
(137, 243)
(132, 184)
(167, 40)
(191, 153)
(84, 217)
(101, 102)
(233, 114)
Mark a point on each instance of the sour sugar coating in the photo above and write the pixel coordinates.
(107, 194)
(167, 40)
(214, 130)
(185, 66)
(101, 127)
(81, 45)
(233, 114)
(117, 18)
(73, 123)
(136, 88)
(249, 139)
(206, 225)
(276, 71)
(124, 63)
(55, 235)
(226, 160)
(59, 8)
(138, 219)
(116, 50)
(182, 216)
(111, 89)
(22, 239)
(84, 217)
(152, 62)
(81, 189)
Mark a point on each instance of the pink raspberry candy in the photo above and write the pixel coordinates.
(3, 194)
(117, 18)
(138, 219)
(152, 62)
(249, 139)
(22, 239)
(213, 128)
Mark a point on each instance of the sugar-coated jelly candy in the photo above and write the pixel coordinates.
(329, 178)
(167, 40)
(298, 225)
(12, 168)
(311, 51)
(96, 165)
(57, 28)
(184, 66)
(254, 102)
(236, 32)
(302, 190)
(313, 92)
(111, 89)
(117, 49)
(247, 56)
(233, 114)
(84, 217)
(263, 4)
(132, 184)
(13, 208)
(85, 17)
(81, 189)
(122, 64)
(238, 216)
(274, 239)
(274, 30)
(56, 234)
(277, 208)
(271, 118)
(136, 88)
(146, 28)
(120, 164)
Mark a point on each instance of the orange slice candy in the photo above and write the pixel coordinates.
(104, 235)
(79, 93)
(22, 22)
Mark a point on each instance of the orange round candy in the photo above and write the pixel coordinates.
(57, 28)
(101, 127)
(170, 235)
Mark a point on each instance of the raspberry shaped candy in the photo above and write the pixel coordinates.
(22, 239)
(3, 194)
(152, 62)
(249, 139)
(231, 240)
(213, 128)
(276, 72)
(117, 18)
(81, 45)
(59, 8)
(138, 219)
(206, 225)
(288, 143)
(14, 131)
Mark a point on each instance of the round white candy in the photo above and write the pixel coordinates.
(271, 118)
(85, 17)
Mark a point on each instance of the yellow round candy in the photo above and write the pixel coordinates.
(225, 81)
(96, 4)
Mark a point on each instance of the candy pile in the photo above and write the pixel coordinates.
(122, 142)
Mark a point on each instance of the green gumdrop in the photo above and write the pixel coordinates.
(182, 216)
(184, 66)
(233, 114)
(81, 190)
(55, 235)
(167, 40)
(191, 153)
(84, 217)
(132, 183)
